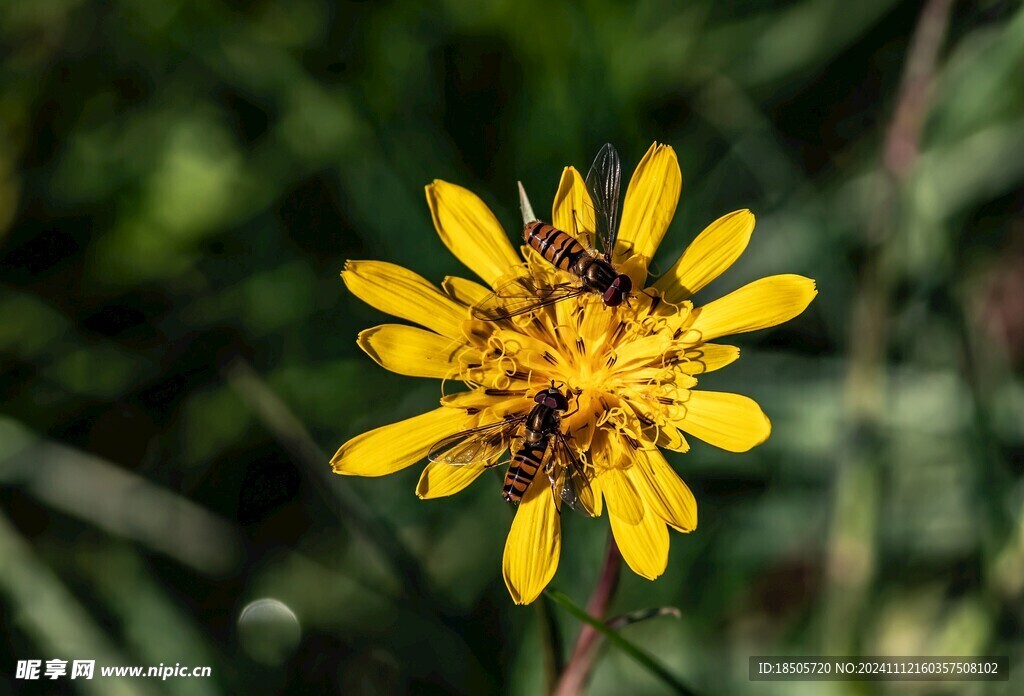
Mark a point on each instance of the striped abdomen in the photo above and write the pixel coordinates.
(553, 244)
(523, 469)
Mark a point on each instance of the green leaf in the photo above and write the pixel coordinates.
(622, 644)
(619, 622)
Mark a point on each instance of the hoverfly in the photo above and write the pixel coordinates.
(593, 268)
(542, 446)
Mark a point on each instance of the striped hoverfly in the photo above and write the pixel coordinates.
(540, 446)
(593, 269)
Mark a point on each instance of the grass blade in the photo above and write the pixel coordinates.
(622, 644)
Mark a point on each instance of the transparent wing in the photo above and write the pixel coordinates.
(603, 185)
(569, 483)
(480, 446)
(522, 295)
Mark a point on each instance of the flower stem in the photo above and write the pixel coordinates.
(576, 673)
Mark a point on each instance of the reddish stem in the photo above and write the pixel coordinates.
(904, 135)
(577, 672)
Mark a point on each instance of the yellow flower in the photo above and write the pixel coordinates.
(633, 368)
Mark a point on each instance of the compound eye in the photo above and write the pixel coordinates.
(613, 296)
(539, 398)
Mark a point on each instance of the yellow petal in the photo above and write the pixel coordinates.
(598, 491)
(730, 421)
(408, 350)
(665, 492)
(650, 203)
(529, 352)
(713, 251)
(573, 211)
(465, 291)
(636, 268)
(438, 480)
(670, 438)
(390, 448)
(534, 544)
(624, 501)
(642, 351)
(402, 293)
(470, 230)
(707, 357)
(536, 264)
(643, 544)
(479, 400)
(490, 408)
(763, 303)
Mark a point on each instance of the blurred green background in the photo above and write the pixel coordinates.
(181, 182)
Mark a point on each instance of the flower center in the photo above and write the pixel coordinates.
(624, 371)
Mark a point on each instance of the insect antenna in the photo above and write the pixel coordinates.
(656, 298)
(564, 387)
(574, 395)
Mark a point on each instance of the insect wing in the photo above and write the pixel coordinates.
(603, 185)
(569, 483)
(480, 446)
(523, 295)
